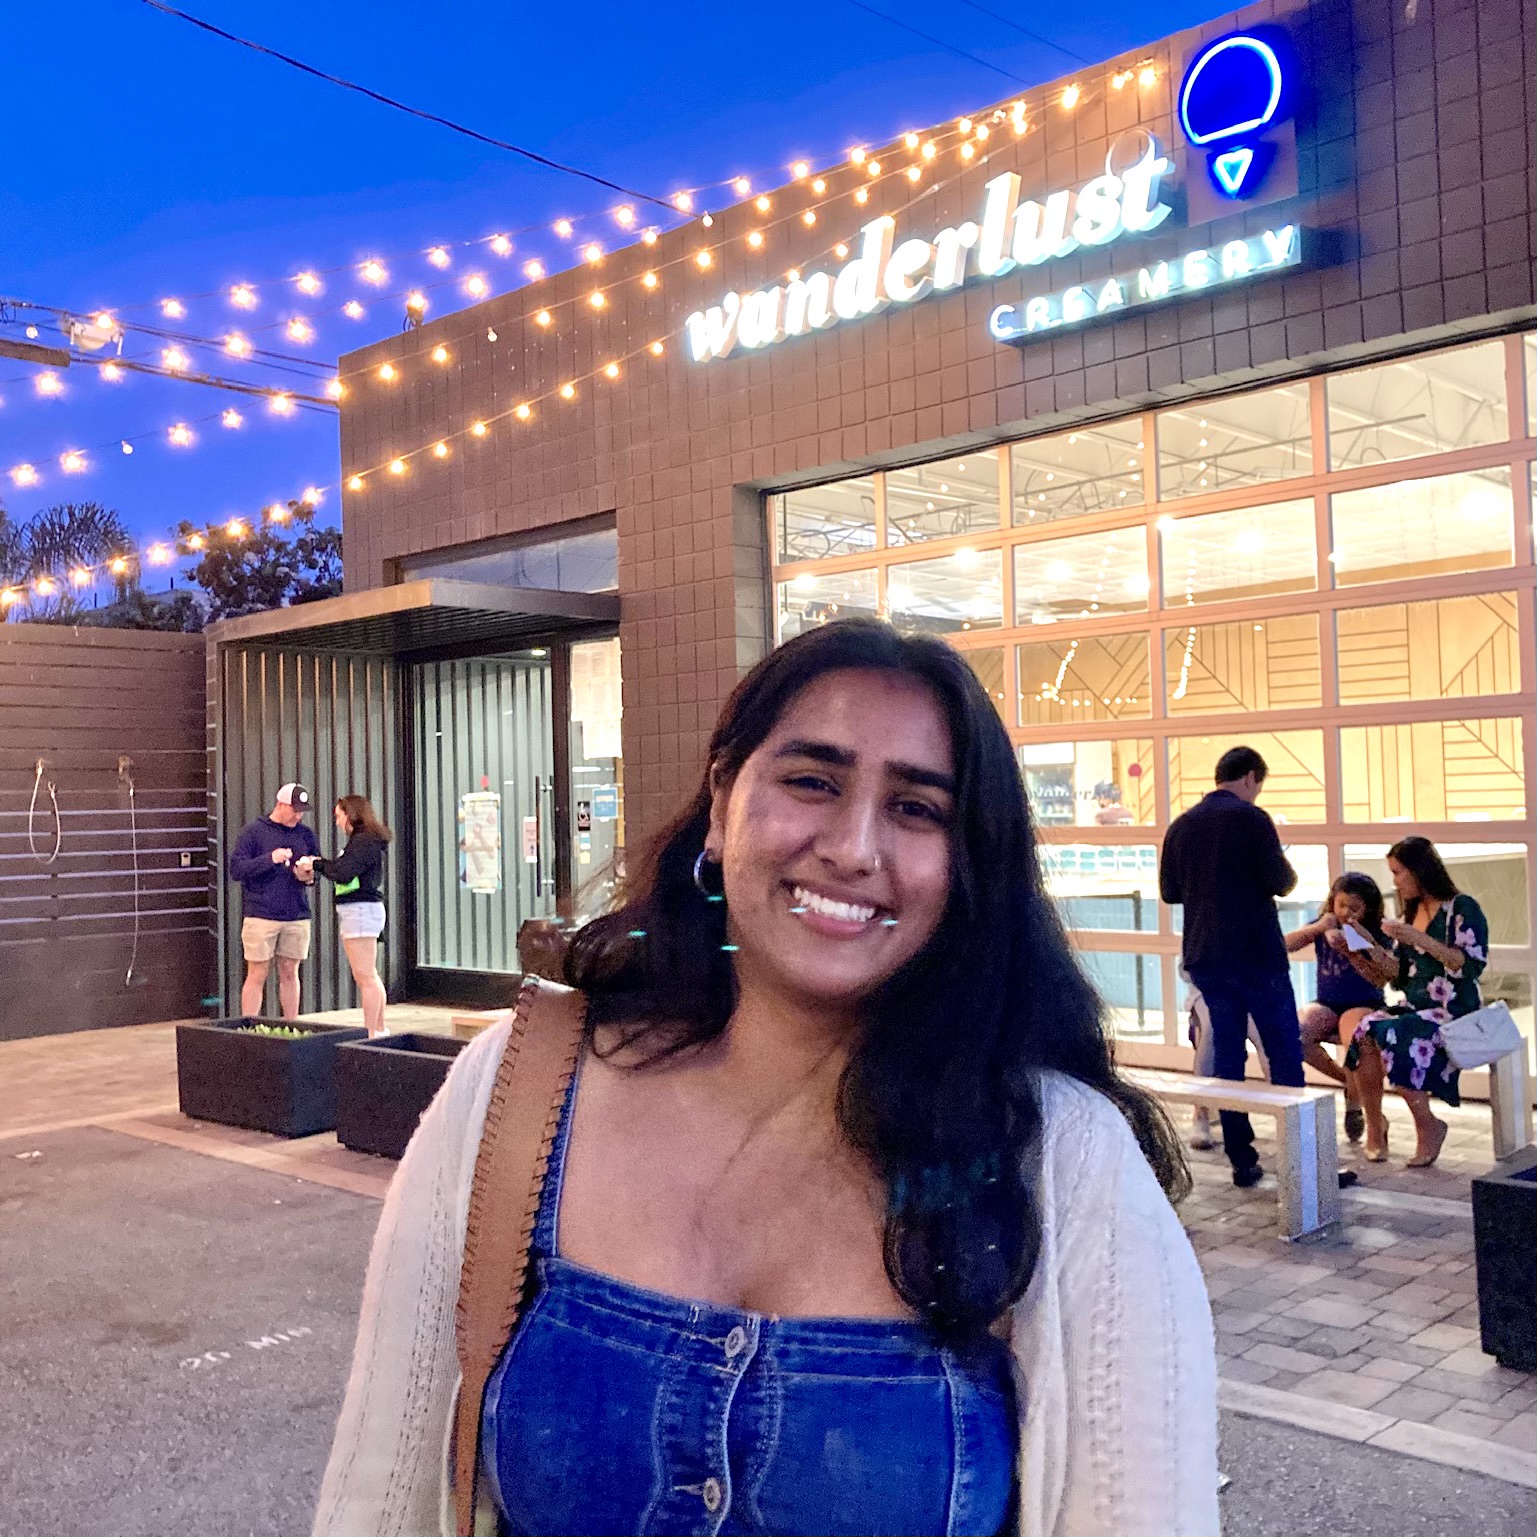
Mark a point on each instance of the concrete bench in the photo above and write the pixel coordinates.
(1308, 1171)
(1510, 1100)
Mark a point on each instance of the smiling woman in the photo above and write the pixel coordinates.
(849, 1223)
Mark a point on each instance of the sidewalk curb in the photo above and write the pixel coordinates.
(1364, 1426)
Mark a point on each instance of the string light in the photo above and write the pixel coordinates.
(180, 435)
(476, 286)
(174, 359)
(809, 217)
(416, 305)
(8, 596)
(523, 411)
(478, 429)
(857, 156)
(611, 370)
(563, 228)
(243, 296)
(232, 418)
(374, 271)
(649, 237)
(968, 151)
(543, 318)
(388, 372)
(440, 450)
(704, 258)
(159, 555)
(356, 483)
(596, 299)
(397, 466)
(930, 150)
(964, 124)
(48, 384)
(819, 186)
(910, 140)
(568, 392)
(533, 270)
(111, 373)
(624, 216)
(657, 349)
(353, 310)
(276, 514)
(281, 405)
(649, 280)
(127, 448)
(502, 245)
(439, 257)
(763, 204)
(982, 133)
(874, 168)
(914, 174)
(1147, 75)
(861, 195)
(72, 462)
(80, 577)
(173, 309)
(592, 254)
(236, 345)
(196, 541)
(118, 565)
(45, 587)
(755, 238)
(840, 250)
(24, 475)
(439, 353)
(300, 330)
(683, 202)
(309, 284)
(235, 528)
(800, 170)
(1071, 97)
(742, 187)
(335, 389)
(311, 496)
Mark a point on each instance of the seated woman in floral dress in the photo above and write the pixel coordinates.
(1443, 945)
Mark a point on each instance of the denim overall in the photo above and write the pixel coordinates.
(616, 1409)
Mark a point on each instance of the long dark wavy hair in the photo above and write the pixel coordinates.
(1356, 884)
(942, 1090)
(1420, 858)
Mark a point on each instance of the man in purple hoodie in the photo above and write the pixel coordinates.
(275, 902)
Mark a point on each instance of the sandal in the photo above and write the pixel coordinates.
(1424, 1161)
(1379, 1153)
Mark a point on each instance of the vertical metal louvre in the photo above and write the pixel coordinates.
(328, 721)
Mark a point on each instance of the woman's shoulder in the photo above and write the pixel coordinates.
(1080, 1124)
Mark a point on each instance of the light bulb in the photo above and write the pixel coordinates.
(159, 555)
(568, 392)
(439, 354)
(353, 310)
(649, 237)
(861, 195)
(243, 296)
(968, 151)
(439, 257)
(174, 359)
(657, 349)
(355, 483)
(611, 370)
(1070, 97)
(180, 435)
(763, 204)
(440, 450)
(543, 318)
(913, 173)
(388, 372)
(930, 150)
(809, 217)
(982, 132)
(476, 286)
(910, 140)
(173, 309)
(840, 250)
(118, 565)
(755, 238)
(533, 271)
(1147, 75)
(235, 528)
(649, 280)
(596, 299)
(563, 228)
(374, 271)
(416, 303)
(49, 384)
(502, 245)
(300, 330)
(741, 186)
(857, 156)
(45, 586)
(111, 372)
(236, 345)
(524, 411)
(964, 124)
(592, 254)
(335, 389)
(874, 167)
(231, 417)
(800, 170)
(683, 202)
(703, 258)
(397, 466)
(127, 448)
(477, 429)
(819, 186)
(195, 541)
(624, 216)
(308, 283)
(24, 475)
(80, 576)
(281, 405)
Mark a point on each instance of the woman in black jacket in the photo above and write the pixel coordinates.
(359, 876)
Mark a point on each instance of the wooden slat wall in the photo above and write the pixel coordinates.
(81, 700)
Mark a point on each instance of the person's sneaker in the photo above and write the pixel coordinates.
(1247, 1178)
(1200, 1132)
(1355, 1122)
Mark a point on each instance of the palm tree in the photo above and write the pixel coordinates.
(53, 543)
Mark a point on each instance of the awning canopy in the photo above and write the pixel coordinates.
(422, 615)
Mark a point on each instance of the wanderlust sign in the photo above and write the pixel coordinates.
(1009, 235)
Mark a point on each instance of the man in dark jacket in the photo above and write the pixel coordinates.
(274, 898)
(1223, 862)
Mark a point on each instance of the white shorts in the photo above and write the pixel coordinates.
(360, 920)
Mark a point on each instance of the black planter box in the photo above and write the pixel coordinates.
(383, 1086)
(1505, 1246)
(286, 1085)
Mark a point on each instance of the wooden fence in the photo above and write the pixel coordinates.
(116, 928)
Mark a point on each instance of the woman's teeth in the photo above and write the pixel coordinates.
(846, 912)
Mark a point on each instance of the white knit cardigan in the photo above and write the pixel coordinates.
(1112, 1343)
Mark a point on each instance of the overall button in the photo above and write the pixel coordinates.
(711, 1495)
(736, 1342)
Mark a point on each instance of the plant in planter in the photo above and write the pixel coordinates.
(269, 1075)
(383, 1087)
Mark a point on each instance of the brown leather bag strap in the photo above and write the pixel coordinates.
(521, 1122)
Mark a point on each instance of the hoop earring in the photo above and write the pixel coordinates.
(704, 891)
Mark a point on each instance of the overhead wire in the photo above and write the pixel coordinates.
(400, 106)
(1034, 37)
(928, 37)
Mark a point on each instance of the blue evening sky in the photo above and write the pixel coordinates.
(145, 158)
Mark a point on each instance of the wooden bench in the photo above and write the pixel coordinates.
(1510, 1100)
(1308, 1172)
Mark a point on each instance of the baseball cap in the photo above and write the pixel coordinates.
(294, 795)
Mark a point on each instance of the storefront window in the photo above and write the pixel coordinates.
(1219, 669)
(1090, 784)
(1529, 353)
(951, 595)
(1103, 886)
(1240, 440)
(1065, 678)
(1093, 469)
(1425, 405)
(1431, 527)
(1250, 552)
(987, 662)
(824, 521)
(1294, 788)
(1497, 875)
(812, 598)
(581, 562)
(943, 499)
(1433, 771)
(1442, 648)
(1074, 578)
(1132, 989)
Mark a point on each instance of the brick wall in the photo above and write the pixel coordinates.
(1414, 150)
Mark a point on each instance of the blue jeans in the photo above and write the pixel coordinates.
(1233, 1000)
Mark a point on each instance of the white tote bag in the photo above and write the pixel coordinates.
(1482, 1037)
